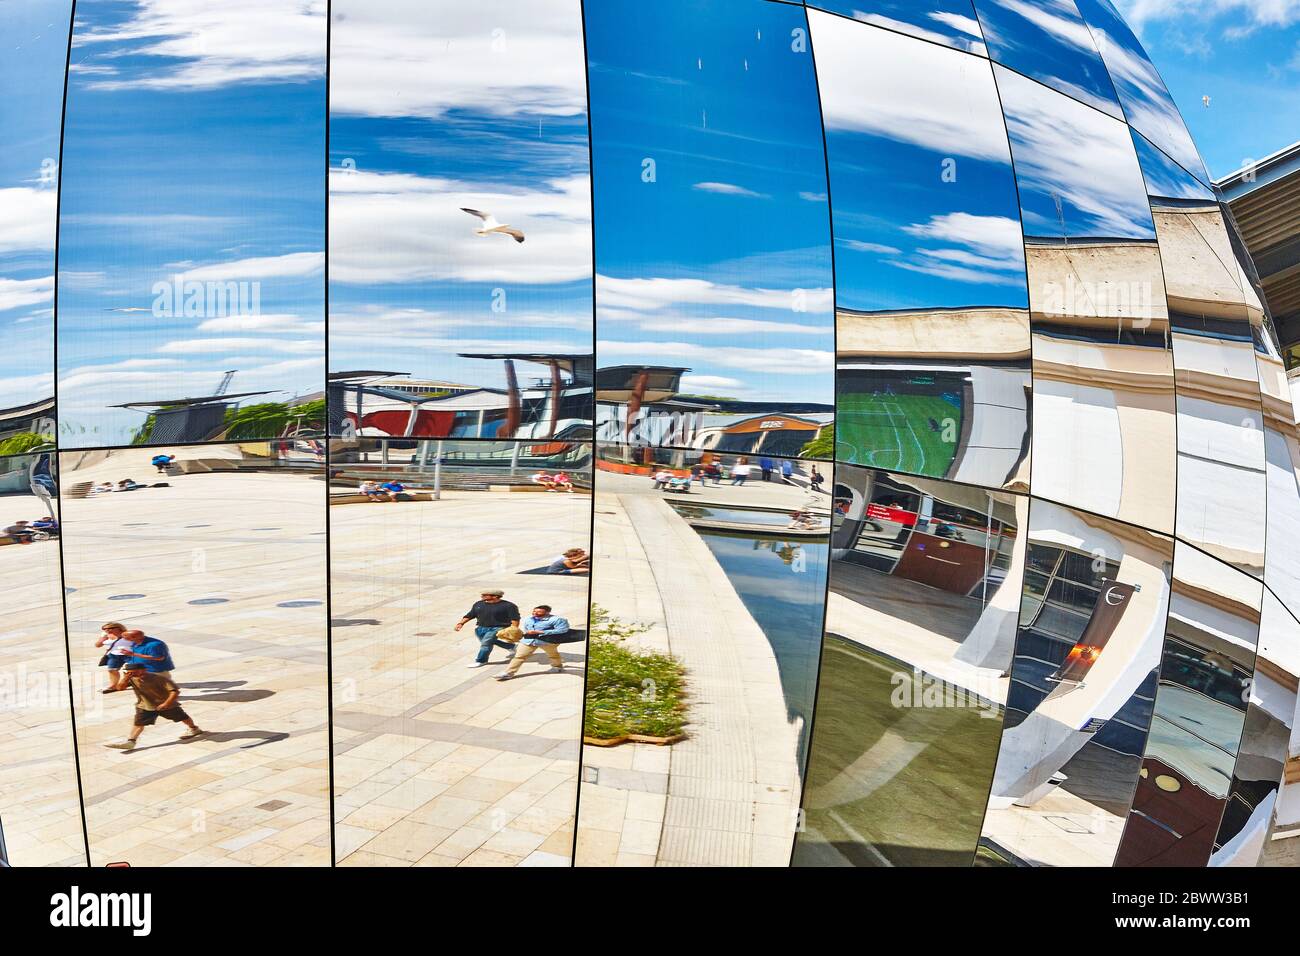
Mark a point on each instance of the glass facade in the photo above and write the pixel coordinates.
(698, 433)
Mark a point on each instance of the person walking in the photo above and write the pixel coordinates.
(787, 471)
(765, 465)
(156, 695)
(540, 630)
(740, 471)
(115, 654)
(490, 613)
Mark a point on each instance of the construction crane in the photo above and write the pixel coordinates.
(225, 382)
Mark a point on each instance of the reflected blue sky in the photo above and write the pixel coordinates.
(712, 233)
(1147, 104)
(1076, 168)
(443, 105)
(949, 22)
(31, 76)
(923, 194)
(1165, 178)
(193, 146)
(1048, 40)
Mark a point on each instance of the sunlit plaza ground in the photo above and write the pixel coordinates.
(438, 764)
(229, 570)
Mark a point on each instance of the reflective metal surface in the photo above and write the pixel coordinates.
(1148, 107)
(1221, 439)
(460, 221)
(31, 74)
(1251, 813)
(708, 588)
(1083, 679)
(714, 289)
(933, 333)
(925, 590)
(1104, 426)
(1048, 40)
(437, 761)
(192, 223)
(1200, 712)
(949, 22)
(38, 773)
(213, 564)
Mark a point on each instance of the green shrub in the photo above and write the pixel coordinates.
(630, 691)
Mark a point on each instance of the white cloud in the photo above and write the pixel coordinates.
(729, 189)
(1066, 149)
(202, 45)
(623, 298)
(27, 219)
(776, 361)
(1256, 13)
(290, 266)
(706, 383)
(255, 345)
(877, 82)
(415, 58)
(395, 227)
(720, 325)
(269, 322)
(859, 245)
(20, 293)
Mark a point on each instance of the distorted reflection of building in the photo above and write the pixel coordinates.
(382, 404)
(643, 406)
(941, 392)
(25, 426)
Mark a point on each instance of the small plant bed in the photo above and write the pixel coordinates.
(631, 695)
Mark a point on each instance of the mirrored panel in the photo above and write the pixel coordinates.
(949, 22)
(196, 586)
(460, 220)
(31, 74)
(459, 578)
(708, 592)
(1206, 672)
(1252, 810)
(1147, 104)
(1221, 505)
(1279, 641)
(1104, 409)
(925, 587)
(932, 331)
(1083, 681)
(40, 811)
(1048, 40)
(192, 223)
(714, 288)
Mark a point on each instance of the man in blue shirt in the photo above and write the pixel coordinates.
(540, 630)
(147, 654)
(392, 489)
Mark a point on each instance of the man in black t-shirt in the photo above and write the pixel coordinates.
(490, 613)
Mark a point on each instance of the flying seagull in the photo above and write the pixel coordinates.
(490, 225)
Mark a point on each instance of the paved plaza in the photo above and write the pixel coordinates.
(437, 764)
(728, 794)
(229, 570)
(38, 778)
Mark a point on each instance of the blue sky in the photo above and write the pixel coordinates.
(720, 263)
(1244, 55)
(31, 75)
(193, 145)
(924, 196)
(491, 115)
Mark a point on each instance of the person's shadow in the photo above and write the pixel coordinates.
(223, 690)
(221, 736)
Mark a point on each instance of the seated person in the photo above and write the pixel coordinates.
(127, 484)
(101, 488)
(371, 490)
(20, 532)
(679, 483)
(573, 561)
(545, 480)
(662, 477)
(562, 482)
(48, 523)
(161, 462)
(392, 489)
